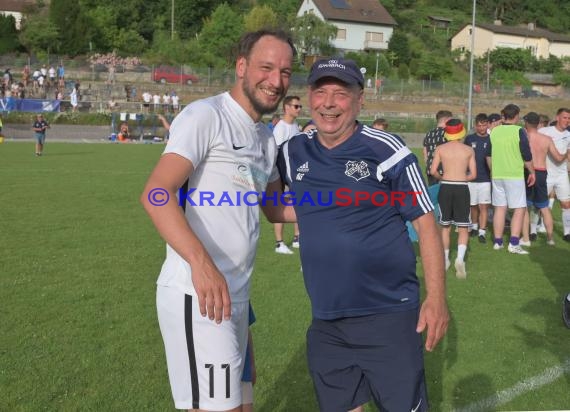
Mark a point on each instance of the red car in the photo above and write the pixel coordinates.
(166, 74)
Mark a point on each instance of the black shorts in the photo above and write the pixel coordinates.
(352, 360)
(537, 194)
(454, 204)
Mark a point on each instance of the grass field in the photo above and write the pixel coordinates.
(78, 322)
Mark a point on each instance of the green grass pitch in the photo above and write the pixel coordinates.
(78, 264)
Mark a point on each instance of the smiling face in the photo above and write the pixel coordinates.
(263, 76)
(334, 108)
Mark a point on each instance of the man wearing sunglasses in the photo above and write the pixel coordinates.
(285, 129)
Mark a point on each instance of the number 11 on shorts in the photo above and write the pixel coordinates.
(224, 366)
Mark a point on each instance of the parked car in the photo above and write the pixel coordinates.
(166, 74)
(531, 93)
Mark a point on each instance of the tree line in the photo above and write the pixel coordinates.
(204, 32)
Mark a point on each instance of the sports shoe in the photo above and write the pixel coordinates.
(541, 229)
(496, 246)
(517, 250)
(533, 237)
(566, 238)
(482, 239)
(295, 242)
(283, 249)
(460, 272)
(550, 242)
(473, 232)
(566, 310)
(524, 243)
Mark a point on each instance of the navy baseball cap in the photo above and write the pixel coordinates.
(342, 69)
(493, 117)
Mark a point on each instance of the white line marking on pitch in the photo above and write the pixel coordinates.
(530, 384)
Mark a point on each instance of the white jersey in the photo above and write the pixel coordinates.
(283, 131)
(231, 156)
(561, 140)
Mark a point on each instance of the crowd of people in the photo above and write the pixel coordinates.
(42, 82)
(501, 166)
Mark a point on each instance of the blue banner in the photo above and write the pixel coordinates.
(10, 104)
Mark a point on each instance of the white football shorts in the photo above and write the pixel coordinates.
(510, 193)
(560, 184)
(204, 359)
(479, 193)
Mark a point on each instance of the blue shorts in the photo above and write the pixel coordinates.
(537, 194)
(40, 137)
(380, 357)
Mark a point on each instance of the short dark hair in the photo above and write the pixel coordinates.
(562, 110)
(249, 39)
(481, 118)
(443, 113)
(510, 111)
(288, 99)
(380, 122)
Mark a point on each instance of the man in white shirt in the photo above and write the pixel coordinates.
(557, 178)
(147, 98)
(218, 150)
(285, 129)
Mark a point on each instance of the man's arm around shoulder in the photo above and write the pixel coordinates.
(274, 205)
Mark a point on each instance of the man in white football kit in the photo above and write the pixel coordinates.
(221, 148)
(557, 178)
(286, 128)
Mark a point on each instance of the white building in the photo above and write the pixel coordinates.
(361, 24)
(542, 43)
(15, 8)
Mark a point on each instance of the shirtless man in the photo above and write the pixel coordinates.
(458, 163)
(537, 195)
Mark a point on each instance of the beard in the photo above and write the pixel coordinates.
(258, 105)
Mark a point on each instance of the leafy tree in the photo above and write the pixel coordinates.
(285, 9)
(312, 35)
(38, 34)
(165, 50)
(403, 71)
(368, 61)
(432, 67)
(511, 59)
(190, 15)
(260, 17)
(130, 42)
(562, 77)
(219, 35)
(8, 34)
(551, 65)
(511, 78)
(399, 45)
(73, 26)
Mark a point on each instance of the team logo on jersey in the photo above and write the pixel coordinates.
(357, 169)
(302, 171)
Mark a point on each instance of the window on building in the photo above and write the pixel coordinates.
(341, 34)
(374, 36)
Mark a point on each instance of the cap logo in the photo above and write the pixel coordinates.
(332, 64)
